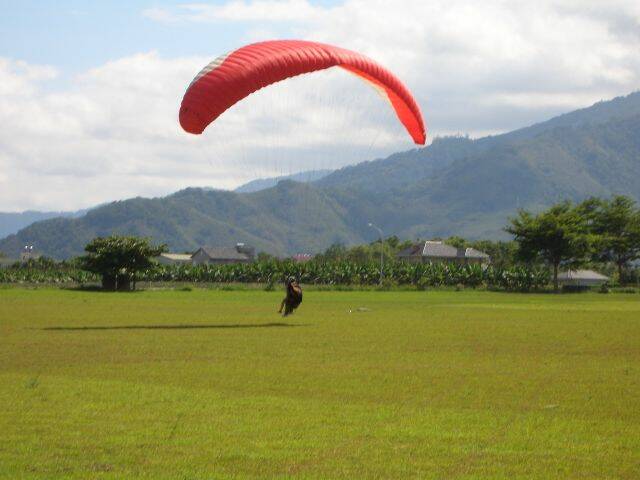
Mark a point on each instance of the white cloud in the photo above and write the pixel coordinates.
(464, 52)
(239, 11)
(114, 133)
(17, 77)
(475, 67)
(79, 146)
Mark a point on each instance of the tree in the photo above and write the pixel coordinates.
(335, 252)
(456, 241)
(616, 223)
(265, 257)
(361, 253)
(559, 235)
(118, 259)
(503, 254)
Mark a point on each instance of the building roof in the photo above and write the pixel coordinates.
(177, 257)
(581, 275)
(411, 251)
(438, 249)
(225, 253)
(473, 253)
(302, 257)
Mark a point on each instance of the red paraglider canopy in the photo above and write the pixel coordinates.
(232, 77)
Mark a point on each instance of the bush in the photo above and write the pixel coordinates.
(45, 270)
(272, 273)
(627, 290)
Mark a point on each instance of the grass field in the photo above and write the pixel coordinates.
(213, 384)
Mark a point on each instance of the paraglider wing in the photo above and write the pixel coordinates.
(232, 77)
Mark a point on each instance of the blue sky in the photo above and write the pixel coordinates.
(89, 91)
(77, 35)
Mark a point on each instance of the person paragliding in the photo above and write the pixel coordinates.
(236, 75)
(293, 297)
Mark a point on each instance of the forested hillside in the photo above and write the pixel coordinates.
(455, 186)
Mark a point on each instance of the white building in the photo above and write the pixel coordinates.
(581, 278)
(435, 251)
(241, 253)
(174, 258)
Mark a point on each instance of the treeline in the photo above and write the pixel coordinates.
(46, 270)
(593, 232)
(603, 234)
(273, 271)
(503, 253)
(597, 233)
(345, 272)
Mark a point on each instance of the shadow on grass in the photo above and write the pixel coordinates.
(97, 289)
(179, 327)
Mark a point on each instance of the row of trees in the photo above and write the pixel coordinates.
(366, 253)
(46, 270)
(502, 253)
(565, 235)
(568, 234)
(420, 275)
(117, 261)
(596, 231)
(271, 272)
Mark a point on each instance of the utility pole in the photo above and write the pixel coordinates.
(381, 250)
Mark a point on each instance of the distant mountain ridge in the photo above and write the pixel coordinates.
(454, 186)
(264, 183)
(11, 222)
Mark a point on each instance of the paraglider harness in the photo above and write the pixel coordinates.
(293, 298)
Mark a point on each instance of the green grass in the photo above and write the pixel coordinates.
(213, 384)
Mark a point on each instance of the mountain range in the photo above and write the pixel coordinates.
(262, 183)
(455, 186)
(11, 222)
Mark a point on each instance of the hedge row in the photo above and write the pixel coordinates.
(333, 273)
(350, 273)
